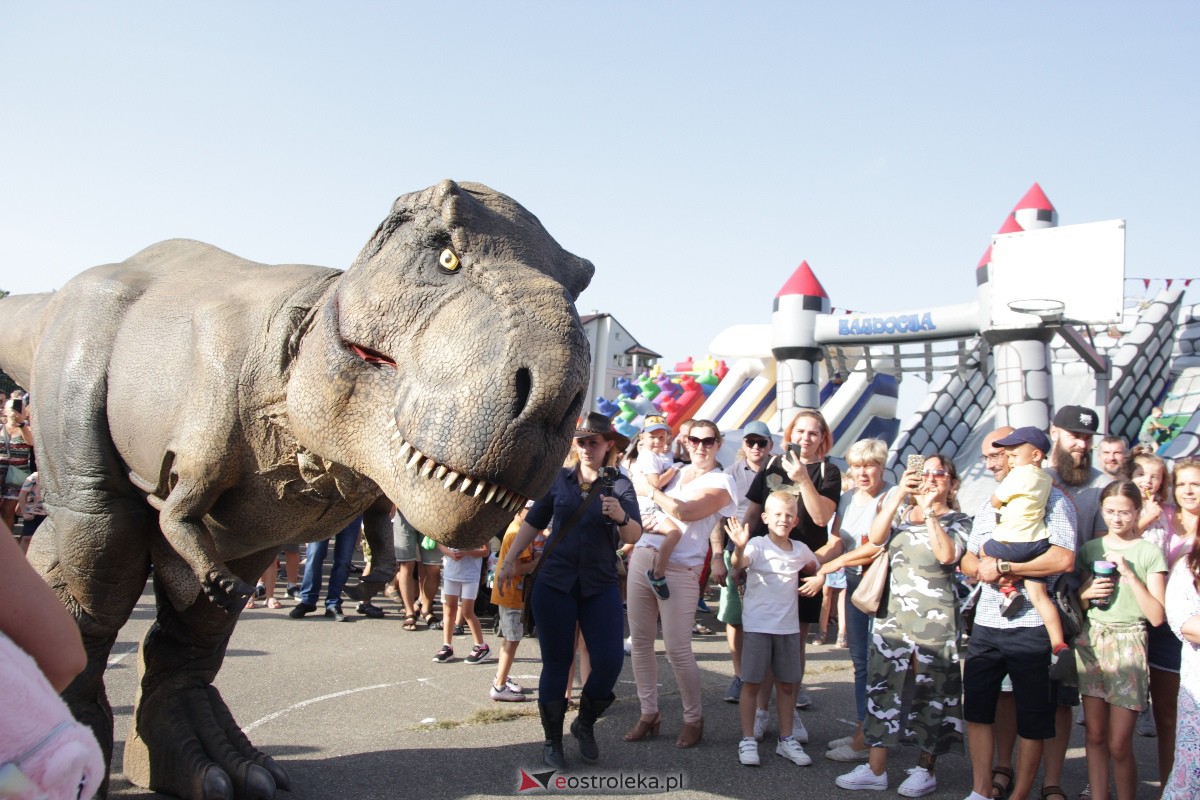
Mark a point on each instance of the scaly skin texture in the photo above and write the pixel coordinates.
(196, 411)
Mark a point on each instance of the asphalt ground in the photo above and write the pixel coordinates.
(359, 709)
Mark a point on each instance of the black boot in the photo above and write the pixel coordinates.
(552, 725)
(582, 728)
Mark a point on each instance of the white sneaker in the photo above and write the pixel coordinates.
(803, 698)
(861, 777)
(761, 717)
(799, 732)
(790, 749)
(919, 783)
(506, 694)
(836, 743)
(748, 752)
(1079, 715)
(847, 753)
(628, 645)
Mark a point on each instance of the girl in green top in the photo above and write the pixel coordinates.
(1111, 651)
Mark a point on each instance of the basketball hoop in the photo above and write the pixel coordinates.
(1050, 312)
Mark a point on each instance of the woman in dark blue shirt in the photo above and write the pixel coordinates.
(578, 584)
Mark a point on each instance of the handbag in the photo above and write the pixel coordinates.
(527, 586)
(869, 594)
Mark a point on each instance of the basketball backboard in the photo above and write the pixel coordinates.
(1081, 266)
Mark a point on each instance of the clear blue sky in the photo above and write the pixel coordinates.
(695, 152)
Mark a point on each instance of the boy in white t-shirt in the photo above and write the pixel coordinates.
(461, 570)
(655, 464)
(770, 619)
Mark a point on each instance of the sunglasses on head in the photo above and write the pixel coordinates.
(755, 441)
(654, 419)
(707, 441)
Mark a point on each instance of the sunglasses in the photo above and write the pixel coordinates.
(935, 473)
(707, 441)
(754, 441)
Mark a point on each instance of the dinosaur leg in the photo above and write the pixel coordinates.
(185, 742)
(97, 564)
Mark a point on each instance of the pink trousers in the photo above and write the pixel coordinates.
(678, 614)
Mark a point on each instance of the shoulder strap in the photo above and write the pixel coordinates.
(566, 528)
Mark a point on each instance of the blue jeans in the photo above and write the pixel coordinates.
(343, 549)
(858, 636)
(599, 617)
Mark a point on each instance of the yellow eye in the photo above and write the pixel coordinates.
(448, 261)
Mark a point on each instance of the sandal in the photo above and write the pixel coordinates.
(436, 625)
(273, 603)
(1086, 794)
(409, 623)
(429, 619)
(1001, 792)
(659, 585)
(1048, 791)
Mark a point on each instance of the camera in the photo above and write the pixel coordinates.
(608, 476)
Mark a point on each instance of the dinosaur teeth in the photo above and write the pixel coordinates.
(440, 472)
(465, 485)
(451, 479)
(416, 459)
(405, 449)
(427, 467)
(479, 487)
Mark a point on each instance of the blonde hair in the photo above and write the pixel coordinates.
(867, 451)
(784, 496)
(1135, 465)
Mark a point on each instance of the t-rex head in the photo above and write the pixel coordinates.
(448, 364)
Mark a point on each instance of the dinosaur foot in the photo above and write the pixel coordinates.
(187, 744)
(227, 590)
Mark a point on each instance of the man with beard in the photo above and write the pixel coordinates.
(1112, 456)
(1071, 467)
(755, 450)
(1071, 470)
(1004, 651)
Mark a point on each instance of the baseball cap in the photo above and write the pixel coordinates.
(756, 428)
(1077, 419)
(1027, 435)
(655, 422)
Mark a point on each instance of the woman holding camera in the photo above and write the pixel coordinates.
(591, 510)
(696, 499)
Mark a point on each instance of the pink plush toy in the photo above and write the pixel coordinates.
(44, 753)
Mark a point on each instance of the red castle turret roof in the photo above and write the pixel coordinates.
(804, 282)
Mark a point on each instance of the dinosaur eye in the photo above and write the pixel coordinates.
(449, 261)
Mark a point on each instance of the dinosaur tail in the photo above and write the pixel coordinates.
(22, 318)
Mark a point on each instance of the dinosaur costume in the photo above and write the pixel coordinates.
(195, 411)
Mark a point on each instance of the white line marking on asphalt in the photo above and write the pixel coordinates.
(119, 657)
(276, 715)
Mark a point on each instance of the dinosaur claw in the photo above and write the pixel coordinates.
(215, 785)
(258, 783)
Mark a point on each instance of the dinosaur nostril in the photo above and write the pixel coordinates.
(523, 388)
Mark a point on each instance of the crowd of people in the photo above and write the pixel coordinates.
(1072, 594)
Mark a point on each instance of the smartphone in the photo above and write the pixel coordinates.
(794, 449)
(18, 404)
(916, 461)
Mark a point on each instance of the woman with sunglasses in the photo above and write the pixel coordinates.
(817, 483)
(695, 499)
(917, 630)
(577, 586)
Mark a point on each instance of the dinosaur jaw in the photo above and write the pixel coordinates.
(417, 466)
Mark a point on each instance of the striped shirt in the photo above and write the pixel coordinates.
(1060, 521)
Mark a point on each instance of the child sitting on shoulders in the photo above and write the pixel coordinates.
(1112, 650)
(657, 468)
(1021, 534)
(770, 619)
